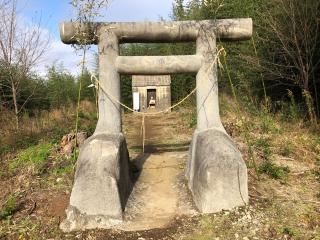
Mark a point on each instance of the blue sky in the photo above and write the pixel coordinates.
(52, 12)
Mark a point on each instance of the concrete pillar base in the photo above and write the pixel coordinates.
(102, 184)
(216, 172)
(77, 221)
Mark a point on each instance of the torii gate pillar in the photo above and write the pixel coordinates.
(216, 172)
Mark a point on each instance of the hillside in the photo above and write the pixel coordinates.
(281, 155)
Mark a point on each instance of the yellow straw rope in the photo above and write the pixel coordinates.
(98, 84)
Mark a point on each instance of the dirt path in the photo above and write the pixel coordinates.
(160, 193)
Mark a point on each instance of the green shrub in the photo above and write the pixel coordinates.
(316, 172)
(274, 171)
(32, 156)
(290, 110)
(193, 121)
(289, 231)
(4, 150)
(24, 141)
(10, 207)
(56, 133)
(263, 144)
(63, 167)
(286, 149)
(268, 124)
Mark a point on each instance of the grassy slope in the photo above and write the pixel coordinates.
(284, 180)
(284, 185)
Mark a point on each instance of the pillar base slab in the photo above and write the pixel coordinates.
(216, 172)
(102, 184)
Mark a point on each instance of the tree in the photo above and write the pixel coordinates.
(21, 47)
(39, 100)
(293, 36)
(178, 10)
(61, 85)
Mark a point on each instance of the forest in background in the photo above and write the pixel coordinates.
(277, 70)
(279, 67)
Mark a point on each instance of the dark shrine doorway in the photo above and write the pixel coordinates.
(151, 97)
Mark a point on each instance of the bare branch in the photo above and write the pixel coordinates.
(21, 47)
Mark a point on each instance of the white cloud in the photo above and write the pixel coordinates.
(56, 52)
(118, 10)
(59, 52)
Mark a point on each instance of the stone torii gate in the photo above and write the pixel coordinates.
(216, 173)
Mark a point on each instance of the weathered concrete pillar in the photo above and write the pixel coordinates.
(216, 172)
(109, 110)
(102, 180)
(207, 83)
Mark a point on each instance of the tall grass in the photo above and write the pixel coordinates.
(43, 125)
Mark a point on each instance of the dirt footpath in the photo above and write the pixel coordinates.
(160, 193)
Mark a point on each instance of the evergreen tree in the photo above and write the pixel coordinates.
(62, 88)
(178, 10)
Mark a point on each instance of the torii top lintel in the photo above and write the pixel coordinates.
(176, 31)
